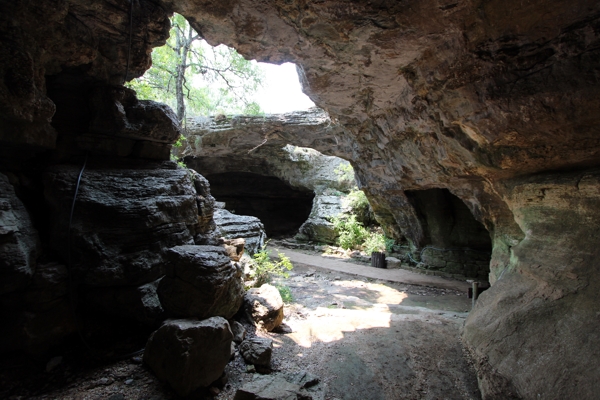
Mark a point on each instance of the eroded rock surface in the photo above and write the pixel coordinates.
(233, 226)
(201, 282)
(486, 99)
(318, 226)
(264, 306)
(257, 351)
(136, 214)
(189, 354)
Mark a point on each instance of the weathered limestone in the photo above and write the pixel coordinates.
(233, 226)
(136, 215)
(540, 316)
(264, 306)
(205, 202)
(257, 351)
(299, 385)
(189, 354)
(485, 99)
(318, 227)
(201, 282)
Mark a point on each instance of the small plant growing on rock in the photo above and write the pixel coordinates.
(265, 267)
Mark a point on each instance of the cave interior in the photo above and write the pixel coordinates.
(496, 102)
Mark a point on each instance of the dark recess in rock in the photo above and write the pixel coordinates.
(280, 208)
(446, 220)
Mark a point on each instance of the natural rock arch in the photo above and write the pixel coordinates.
(486, 99)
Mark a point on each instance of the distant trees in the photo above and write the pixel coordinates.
(197, 79)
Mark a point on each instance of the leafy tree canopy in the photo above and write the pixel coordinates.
(197, 79)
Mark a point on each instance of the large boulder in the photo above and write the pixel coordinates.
(201, 282)
(232, 226)
(189, 354)
(318, 227)
(264, 306)
(19, 243)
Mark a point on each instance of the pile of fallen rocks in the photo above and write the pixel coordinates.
(203, 288)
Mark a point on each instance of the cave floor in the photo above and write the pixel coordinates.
(375, 339)
(365, 339)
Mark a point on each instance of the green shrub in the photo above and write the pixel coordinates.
(358, 203)
(286, 293)
(351, 232)
(378, 242)
(264, 267)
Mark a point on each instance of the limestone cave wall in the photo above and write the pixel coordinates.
(495, 101)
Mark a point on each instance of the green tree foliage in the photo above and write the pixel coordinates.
(197, 79)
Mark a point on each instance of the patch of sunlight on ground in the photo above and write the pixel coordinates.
(338, 323)
(385, 294)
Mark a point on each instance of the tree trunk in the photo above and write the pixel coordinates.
(378, 260)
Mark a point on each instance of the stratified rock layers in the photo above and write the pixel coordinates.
(540, 318)
(124, 221)
(486, 99)
(201, 282)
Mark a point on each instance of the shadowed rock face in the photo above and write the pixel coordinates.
(280, 208)
(495, 101)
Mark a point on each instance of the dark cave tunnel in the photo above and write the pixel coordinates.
(455, 242)
(281, 208)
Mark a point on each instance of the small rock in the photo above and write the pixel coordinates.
(264, 306)
(257, 351)
(283, 329)
(238, 330)
(250, 369)
(136, 360)
(270, 387)
(214, 391)
(105, 381)
(336, 278)
(233, 247)
(129, 381)
(302, 378)
(233, 350)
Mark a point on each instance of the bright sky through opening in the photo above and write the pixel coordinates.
(281, 90)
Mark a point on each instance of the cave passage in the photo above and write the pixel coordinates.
(455, 242)
(281, 208)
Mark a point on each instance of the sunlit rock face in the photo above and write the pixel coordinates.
(252, 168)
(471, 97)
(494, 101)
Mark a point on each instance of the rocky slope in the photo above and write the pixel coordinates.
(495, 101)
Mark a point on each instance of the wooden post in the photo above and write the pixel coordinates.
(475, 293)
(378, 260)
